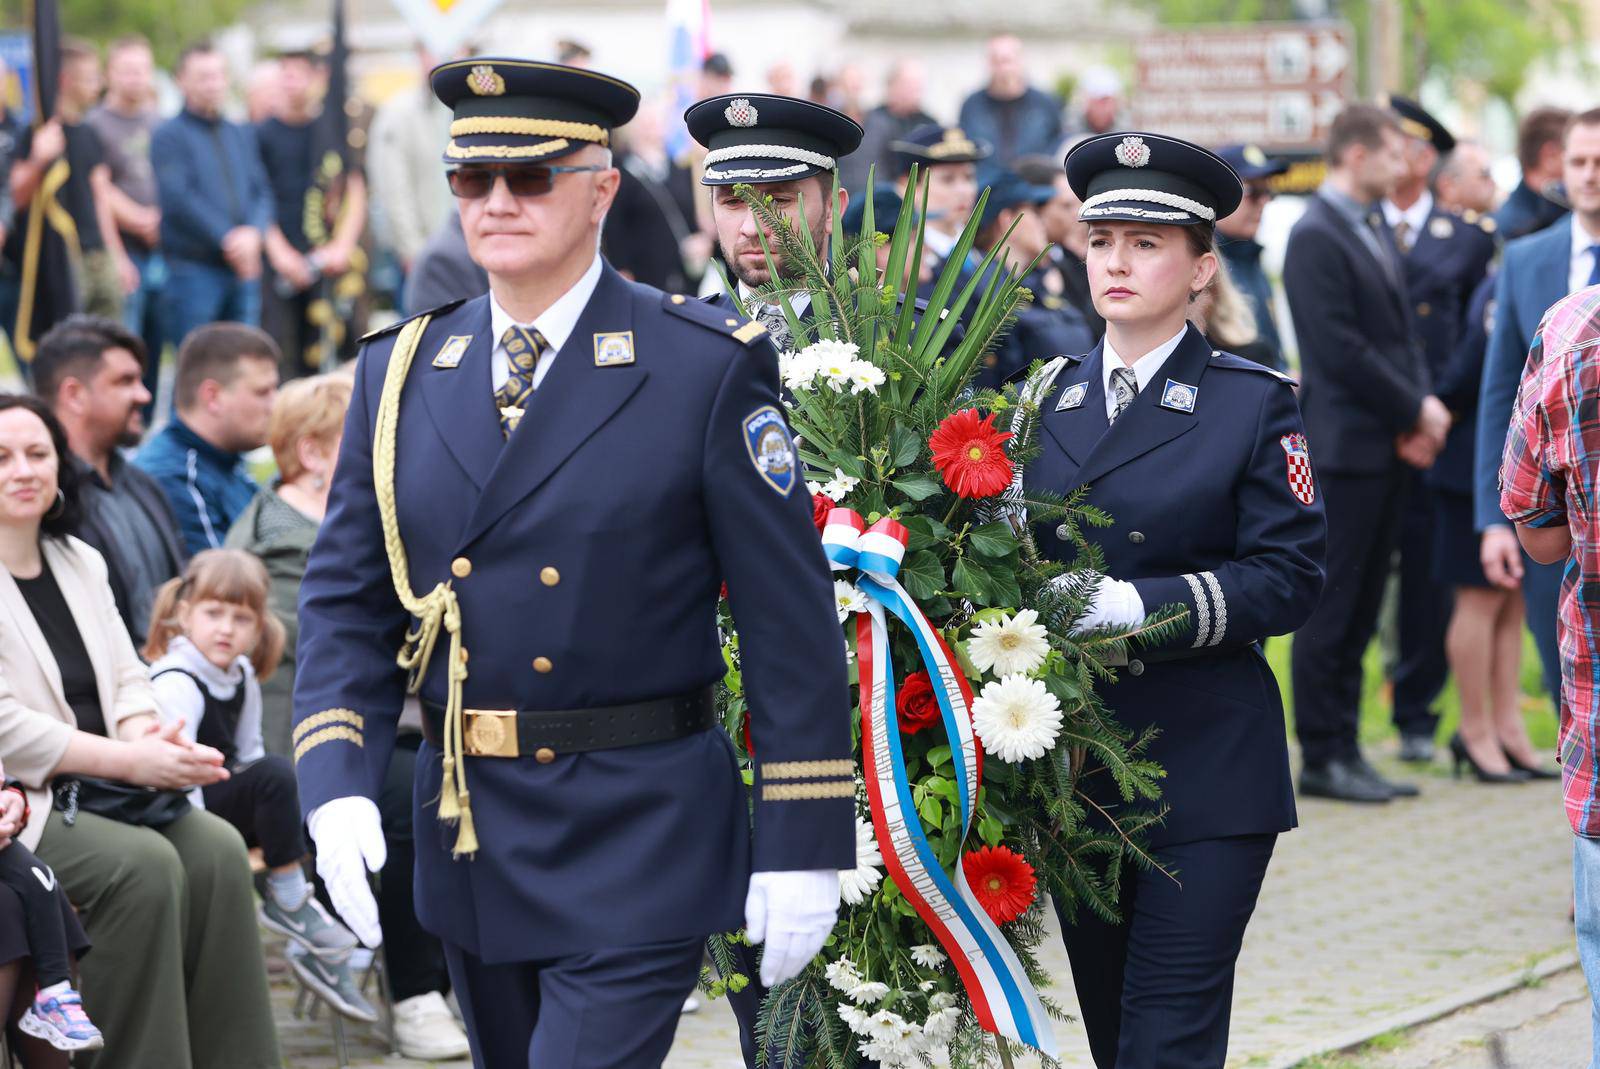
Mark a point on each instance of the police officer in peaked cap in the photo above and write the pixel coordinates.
(947, 160)
(540, 493)
(1201, 460)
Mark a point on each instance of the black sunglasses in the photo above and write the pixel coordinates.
(474, 183)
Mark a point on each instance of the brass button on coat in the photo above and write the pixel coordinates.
(549, 576)
(542, 664)
(461, 567)
(678, 298)
(1136, 537)
(544, 755)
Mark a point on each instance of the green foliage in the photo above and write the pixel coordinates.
(169, 24)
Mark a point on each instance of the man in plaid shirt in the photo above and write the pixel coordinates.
(1547, 488)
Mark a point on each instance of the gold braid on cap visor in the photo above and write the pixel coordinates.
(510, 124)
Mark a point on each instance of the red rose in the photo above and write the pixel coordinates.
(821, 505)
(915, 703)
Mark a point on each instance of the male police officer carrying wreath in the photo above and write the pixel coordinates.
(539, 495)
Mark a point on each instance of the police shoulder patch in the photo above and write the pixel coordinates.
(1298, 456)
(766, 437)
(397, 324)
(712, 317)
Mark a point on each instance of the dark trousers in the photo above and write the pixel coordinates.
(615, 1008)
(1422, 669)
(1364, 514)
(414, 955)
(197, 294)
(1156, 990)
(35, 885)
(262, 801)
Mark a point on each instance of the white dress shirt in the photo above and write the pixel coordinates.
(1415, 217)
(1582, 259)
(555, 324)
(1144, 369)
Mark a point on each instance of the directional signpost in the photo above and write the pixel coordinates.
(1278, 85)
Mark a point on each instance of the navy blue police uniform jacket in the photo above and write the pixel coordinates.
(1443, 267)
(595, 541)
(1214, 510)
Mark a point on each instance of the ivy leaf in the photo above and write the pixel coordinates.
(990, 830)
(922, 575)
(904, 445)
(931, 812)
(992, 539)
(919, 486)
(971, 579)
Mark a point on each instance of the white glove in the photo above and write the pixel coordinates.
(1115, 603)
(349, 837)
(792, 912)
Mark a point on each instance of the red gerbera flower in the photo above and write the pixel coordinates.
(915, 704)
(1002, 880)
(970, 454)
(821, 505)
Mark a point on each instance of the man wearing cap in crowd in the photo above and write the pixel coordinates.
(1445, 256)
(790, 149)
(947, 172)
(555, 478)
(1048, 326)
(1236, 241)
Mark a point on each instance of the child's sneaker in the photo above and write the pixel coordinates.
(310, 926)
(60, 1021)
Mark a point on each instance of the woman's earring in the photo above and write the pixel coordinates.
(59, 507)
(318, 482)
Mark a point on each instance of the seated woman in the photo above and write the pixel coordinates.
(177, 978)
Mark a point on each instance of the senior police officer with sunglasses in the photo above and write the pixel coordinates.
(540, 492)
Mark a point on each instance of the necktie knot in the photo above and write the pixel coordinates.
(1124, 388)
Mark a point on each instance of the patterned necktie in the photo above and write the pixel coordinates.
(1124, 388)
(1402, 235)
(771, 317)
(523, 348)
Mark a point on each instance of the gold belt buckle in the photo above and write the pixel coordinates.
(491, 732)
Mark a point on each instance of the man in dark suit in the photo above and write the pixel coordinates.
(1537, 200)
(1536, 272)
(1237, 244)
(1369, 415)
(555, 478)
(1445, 257)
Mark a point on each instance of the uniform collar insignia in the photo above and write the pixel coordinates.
(451, 352)
(1440, 227)
(613, 350)
(1179, 396)
(1072, 396)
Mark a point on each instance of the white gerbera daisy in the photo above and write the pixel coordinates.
(868, 992)
(842, 974)
(1017, 718)
(928, 956)
(848, 599)
(857, 884)
(865, 377)
(833, 361)
(1009, 646)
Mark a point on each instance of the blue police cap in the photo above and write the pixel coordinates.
(885, 211)
(759, 137)
(1250, 163)
(1008, 190)
(519, 110)
(932, 144)
(1151, 178)
(1417, 123)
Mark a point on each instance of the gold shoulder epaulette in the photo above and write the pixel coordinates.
(714, 317)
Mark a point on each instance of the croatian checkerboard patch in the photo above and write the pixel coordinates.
(1300, 483)
(766, 436)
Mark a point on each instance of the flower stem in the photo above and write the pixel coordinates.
(954, 505)
(1004, 1048)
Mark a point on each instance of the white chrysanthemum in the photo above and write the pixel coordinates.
(927, 955)
(855, 1019)
(940, 1027)
(840, 485)
(865, 376)
(1017, 718)
(944, 1000)
(890, 1028)
(842, 974)
(798, 370)
(847, 599)
(869, 992)
(856, 884)
(833, 361)
(1014, 645)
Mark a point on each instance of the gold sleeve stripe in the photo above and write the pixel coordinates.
(329, 734)
(328, 716)
(505, 152)
(801, 792)
(844, 766)
(509, 124)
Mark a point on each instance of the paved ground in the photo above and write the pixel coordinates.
(1371, 921)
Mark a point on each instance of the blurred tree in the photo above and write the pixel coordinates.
(169, 24)
(1493, 43)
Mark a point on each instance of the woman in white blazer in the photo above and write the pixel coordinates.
(176, 978)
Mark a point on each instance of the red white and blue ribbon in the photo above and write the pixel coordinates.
(1003, 999)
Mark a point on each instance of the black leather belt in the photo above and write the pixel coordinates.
(544, 734)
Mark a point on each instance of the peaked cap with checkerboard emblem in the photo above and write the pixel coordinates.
(1150, 178)
(759, 137)
(522, 111)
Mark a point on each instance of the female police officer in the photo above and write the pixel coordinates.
(1200, 459)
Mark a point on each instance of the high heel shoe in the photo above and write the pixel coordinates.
(1462, 756)
(1532, 771)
